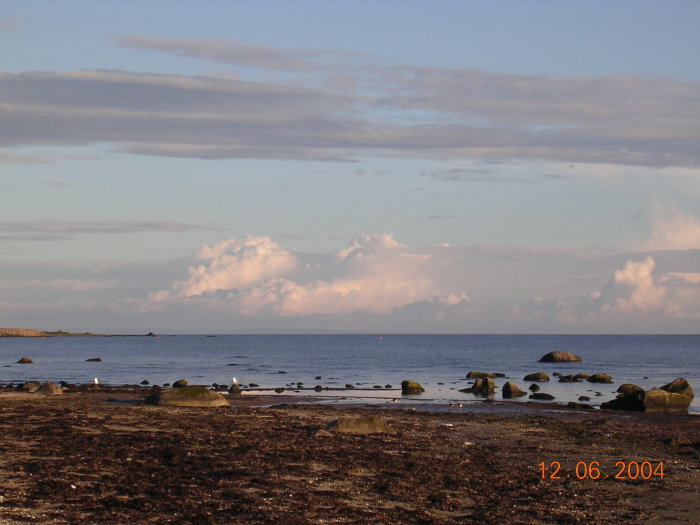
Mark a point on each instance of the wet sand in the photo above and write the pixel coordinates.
(109, 458)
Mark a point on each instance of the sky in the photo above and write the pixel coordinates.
(327, 166)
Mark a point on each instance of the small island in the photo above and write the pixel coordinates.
(29, 332)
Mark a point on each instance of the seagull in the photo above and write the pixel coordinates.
(96, 381)
(234, 381)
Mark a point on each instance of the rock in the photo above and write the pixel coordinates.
(235, 389)
(679, 386)
(187, 396)
(360, 425)
(584, 398)
(388, 386)
(628, 387)
(377, 386)
(659, 400)
(253, 385)
(539, 376)
(568, 379)
(318, 378)
(511, 390)
(180, 383)
(279, 390)
(534, 388)
(88, 387)
(50, 389)
(579, 406)
(94, 360)
(322, 433)
(582, 376)
(145, 382)
(542, 396)
(483, 386)
(556, 374)
(559, 357)
(30, 386)
(25, 361)
(349, 386)
(600, 378)
(318, 388)
(479, 375)
(409, 387)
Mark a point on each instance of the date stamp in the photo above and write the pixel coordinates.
(593, 470)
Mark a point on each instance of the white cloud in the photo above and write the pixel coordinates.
(672, 229)
(374, 274)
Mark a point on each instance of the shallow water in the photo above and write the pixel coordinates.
(438, 362)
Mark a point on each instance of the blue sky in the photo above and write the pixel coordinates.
(350, 166)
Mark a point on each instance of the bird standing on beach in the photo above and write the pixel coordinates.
(96, 381)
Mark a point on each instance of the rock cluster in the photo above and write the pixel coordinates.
(672, 397)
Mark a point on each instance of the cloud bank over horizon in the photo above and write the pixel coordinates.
(336, 106)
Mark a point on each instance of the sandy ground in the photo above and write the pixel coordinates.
(109, 458)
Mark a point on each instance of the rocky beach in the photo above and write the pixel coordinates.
(103, 455)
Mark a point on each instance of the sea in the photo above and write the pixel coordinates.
(374, 364)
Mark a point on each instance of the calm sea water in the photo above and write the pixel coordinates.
(438, 362)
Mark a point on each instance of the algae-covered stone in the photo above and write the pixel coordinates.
(511, 390)
(628, 387)
(559, 357)
(235, 389)
(360, 425)
(581, 376)
(187, 396)
(25, 361)
(483, 386)
(539, 376)
(50, 389)
(180, 383)
(679, 386)
(409, 387)
(30, 386)
(478, 375)
(541, 396)
(600, 378)
(658, 400)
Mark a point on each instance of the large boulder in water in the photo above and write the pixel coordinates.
(360, 425)
(187, 396)
(477, 375)
(25, 361)
(511, 390)
(538, 376)
(180, 383)
(600, 378)
(559, 357)
(679, 386)
(409, 387)
(673, 397)
(483, 386)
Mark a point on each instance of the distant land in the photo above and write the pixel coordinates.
(28, 332)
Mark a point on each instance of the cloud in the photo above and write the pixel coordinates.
(289, 59)
(253, 275)
(672, 229)
(66, 285)
(50, 230)
(381, 110)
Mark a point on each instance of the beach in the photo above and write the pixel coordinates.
(108, 457)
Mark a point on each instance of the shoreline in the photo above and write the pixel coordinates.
(107, 456)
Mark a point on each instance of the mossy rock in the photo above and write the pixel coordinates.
(600, 378)
(511, 390)
(658, 400)
(50, 389)
(559, 357)
(180, 383)
(541, 396)
(187, 396)
(483, 386)
(628, 387)
(539, 377)
(25, 361)
(409, 387)
(679, 386)
(481, 375)
(30, 386)
(235, 389)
